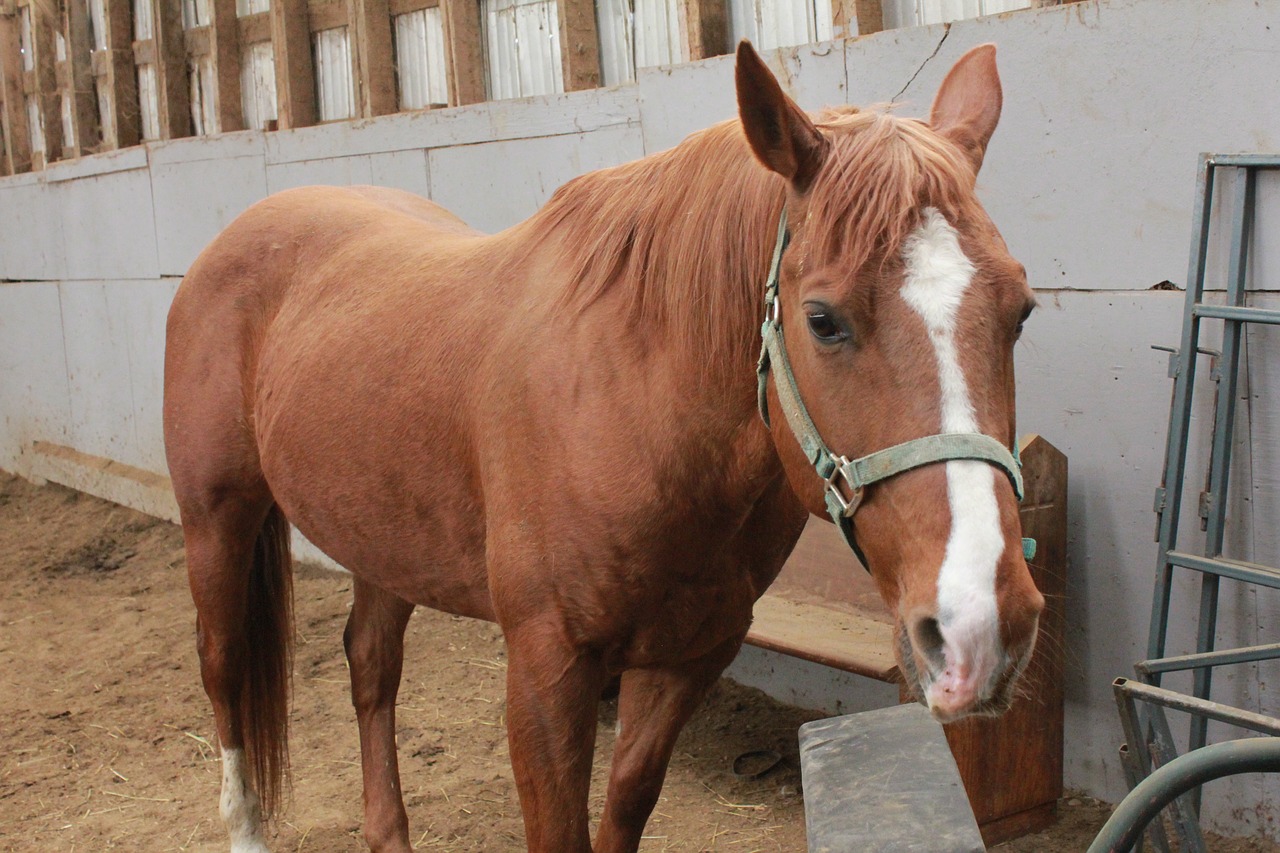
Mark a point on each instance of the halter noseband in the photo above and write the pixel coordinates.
(865, 470)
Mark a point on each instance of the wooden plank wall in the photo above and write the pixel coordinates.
(99, 82)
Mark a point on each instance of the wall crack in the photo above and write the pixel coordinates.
(946, 31)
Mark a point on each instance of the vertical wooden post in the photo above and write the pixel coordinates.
(173, 86)
(857, 17)
(465, 57)
(579, 44)
(17, 135)
(78, 84)
(295, 74)
(224, 56)
(124, 115)
(369, 28)
(707, 23)
(44, 81)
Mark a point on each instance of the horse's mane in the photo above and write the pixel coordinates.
(689, 231)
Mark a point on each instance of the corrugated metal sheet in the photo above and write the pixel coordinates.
(615, 23)
(639, 34)
(196, 13)
(252, 7)
(148, 102)
(24, 23)
(911, 13)
(258, 85)
(143, 27)
(522, 48)
(103, 87)
(658, 34)
(35, 124)
(420, 65)
(97, 25)
(98, 36)
(68, 125)
(203, 89)
(148, 96)
(334, 89)
(204, 97)
(781, 23)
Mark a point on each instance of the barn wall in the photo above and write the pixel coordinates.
(1107, 104)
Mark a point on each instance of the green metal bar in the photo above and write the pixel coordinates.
(1180, 410)
(1255, 161)
(1238, 313)
(1194, 705)
(1225, 657)
(1124, 827)
(1150, 739)
(1227, 568)
(1223, 438)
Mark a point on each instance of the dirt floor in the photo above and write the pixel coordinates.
(106, 733)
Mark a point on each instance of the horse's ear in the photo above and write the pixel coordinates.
(780, 134)
(967, 107)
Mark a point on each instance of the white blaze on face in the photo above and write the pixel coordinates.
(938, 275)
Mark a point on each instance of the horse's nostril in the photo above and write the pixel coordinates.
(927, 636)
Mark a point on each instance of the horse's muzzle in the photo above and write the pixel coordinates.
(956, 680)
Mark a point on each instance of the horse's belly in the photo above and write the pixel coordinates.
(362, 461)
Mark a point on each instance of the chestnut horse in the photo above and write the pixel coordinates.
(555, 427)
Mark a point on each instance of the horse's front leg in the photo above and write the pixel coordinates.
(653, 707)
(374, 641)
(553, 693)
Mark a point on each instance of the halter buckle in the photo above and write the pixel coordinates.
(848, 506)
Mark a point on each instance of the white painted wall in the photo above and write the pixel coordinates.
(1107, 104)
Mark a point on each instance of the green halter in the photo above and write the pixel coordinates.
(863, 471)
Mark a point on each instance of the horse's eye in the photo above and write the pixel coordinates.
(1026, 314)
(823, 327)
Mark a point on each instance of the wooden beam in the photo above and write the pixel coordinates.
(329, 16)
(16, 155)
(372, 61)
(295, 75)
(44, 26)
(123, 126)
(173, 83)
(579, 45)
(857, 17)
(224, 53)
(78, 85)
(254, 28)
(707, 23)
(404, 7)
(464, 53)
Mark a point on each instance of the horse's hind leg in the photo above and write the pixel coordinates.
(653, 706)
(238, 570)
(374, 641)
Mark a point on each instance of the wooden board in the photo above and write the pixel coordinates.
(852, 642)
(17, 134)
(579, 45)
(295, 73)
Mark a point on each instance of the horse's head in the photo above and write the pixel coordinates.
(901, 306)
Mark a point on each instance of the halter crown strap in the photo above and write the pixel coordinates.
(865, 470)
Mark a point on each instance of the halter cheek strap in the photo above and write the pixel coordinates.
(858, 473)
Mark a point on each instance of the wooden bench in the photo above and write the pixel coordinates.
(825, 608)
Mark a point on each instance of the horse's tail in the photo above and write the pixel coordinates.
(268, 664)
